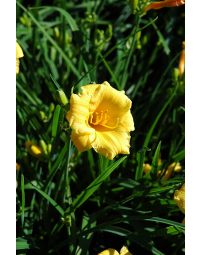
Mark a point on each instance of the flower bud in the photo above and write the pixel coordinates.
(49, 147)
(108, 33)
(62, 97)
(174, 167)
(33, 149)
(51, 107)
(43, 146)
(134, 4)
(18, 166)
(42, 116)
(36, 150)
(175, 74)
(146, 168)
(138, 43)
(168, 173)
(177, 167)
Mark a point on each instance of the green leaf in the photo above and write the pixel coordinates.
(50, 200)
(55, 121)
(59, 159)
(141, 157)
(116, 230)
(22, 244)
(168, 222)
(161, 38)
(85, 194)
(179, 156)
(110, 71)
(154, 164)
(23, 199)
(68, 17)
(55, 82)
(171, 230)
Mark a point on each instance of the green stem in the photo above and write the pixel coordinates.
(134, 31)
(71, 228)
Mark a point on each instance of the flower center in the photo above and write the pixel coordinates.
(103, 119)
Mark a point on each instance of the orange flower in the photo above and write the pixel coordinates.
(162, 4)
(181, 66)
(18, 166)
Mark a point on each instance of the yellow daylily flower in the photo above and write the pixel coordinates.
(124, 251)
(109, 252)
(100, 118)
(19, 54)
(179, 197)
(164, 3)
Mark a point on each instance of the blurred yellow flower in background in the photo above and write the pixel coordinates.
(164, 3)
(18, 166)
(19, 54)
(109, 252)
(124, 251)
(100, 118)
(167, 173)
(179, 197)
(34, 149)
(146, 168)
(174, 167)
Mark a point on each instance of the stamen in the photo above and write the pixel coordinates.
(102, 119)
(111, 127)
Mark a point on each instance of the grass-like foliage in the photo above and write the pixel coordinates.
(82, 203)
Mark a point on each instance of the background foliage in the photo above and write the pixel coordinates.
(72, 203)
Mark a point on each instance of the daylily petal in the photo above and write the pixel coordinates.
(82, 142)
(109, 252)
(111, 143)
(17, 65)
(124, 251)
(89, 89)
(79, 114)
(126, 122)
(19, 52)
(106, 98)
(179, 197)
